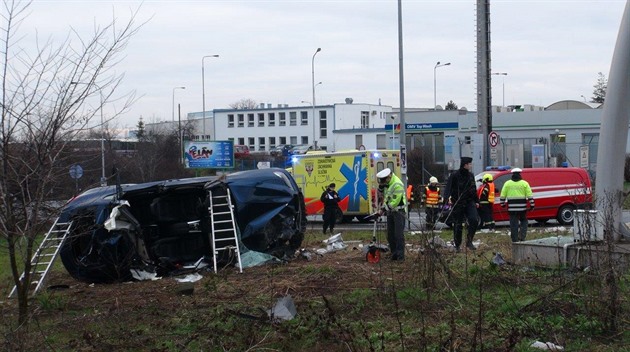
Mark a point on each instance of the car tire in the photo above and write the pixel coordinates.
(565, 214)
(100, 262)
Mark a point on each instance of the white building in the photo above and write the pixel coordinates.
(265, 127)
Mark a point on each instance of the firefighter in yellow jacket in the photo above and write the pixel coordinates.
(432, 200)
(395, 206)
(486, 202)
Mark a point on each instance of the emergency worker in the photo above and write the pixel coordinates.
(461, 194)
(395, 206)
(486, 201)
(515, 194)
(432, 200)
(330, 198)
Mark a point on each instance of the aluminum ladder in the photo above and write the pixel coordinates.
(45, 256)
(224, 231)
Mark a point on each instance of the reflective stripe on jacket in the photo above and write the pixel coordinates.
(395, 194)
(486, 193)
(433, 197)
(516, 194)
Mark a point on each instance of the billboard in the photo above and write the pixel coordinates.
(209, 154)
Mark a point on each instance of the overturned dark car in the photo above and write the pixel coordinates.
(167, 225)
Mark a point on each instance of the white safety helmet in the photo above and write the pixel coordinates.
(433, 179)
(384, 173)
(516, 169)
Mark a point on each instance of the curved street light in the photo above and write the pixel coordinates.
(313, 86)
(203, 92)
(438, 64)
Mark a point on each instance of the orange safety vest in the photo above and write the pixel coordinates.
(433, 197)
(490, 192)
(409, 193)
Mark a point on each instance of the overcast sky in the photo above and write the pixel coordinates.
(551, 50)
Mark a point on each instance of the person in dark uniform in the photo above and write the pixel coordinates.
(330, 198)
(461, 193)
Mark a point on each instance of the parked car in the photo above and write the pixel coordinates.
(303, 149)
(167, 225)
(281, 150)
(240, 151)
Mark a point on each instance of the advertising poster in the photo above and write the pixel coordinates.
(209, 155)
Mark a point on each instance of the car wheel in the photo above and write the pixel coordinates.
(89, 257)
(565, 214)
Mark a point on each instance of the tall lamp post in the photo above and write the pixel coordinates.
(438, 64)
(313, 86)
(174, 100)
(100, 94)
(503, 85)
(203, 91)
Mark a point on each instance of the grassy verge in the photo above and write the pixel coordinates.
(435, 300)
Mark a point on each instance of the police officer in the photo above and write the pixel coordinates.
(432, 200)
(461, 193)
(331, 199)
(486, 201)
(395, 206)
(515, 194)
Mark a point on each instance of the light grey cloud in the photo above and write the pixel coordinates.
(551, 50)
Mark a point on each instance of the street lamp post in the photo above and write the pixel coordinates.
(313, 86)
(203, 92)
(438, 64)
(393, 125)
(174, 101)
(503, 85)
(100, 93)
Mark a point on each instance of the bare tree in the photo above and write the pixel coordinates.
(47, 103)
(244, 103)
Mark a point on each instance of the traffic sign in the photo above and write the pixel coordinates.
(76, 171)
(493, 138)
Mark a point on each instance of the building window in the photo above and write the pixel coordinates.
(272, 120)
(261, 144)
(323, 132)
(282, 119)
(293, 140)
(250, 120)
(272, 142)
(293, 118)
(283, 140)
(261, 120)
(358, 141)
(241, 140)
(304, 118)
(304, 140)
(230, 120)
(381, 141)
(241, 120)
(365, 119)
(251, 141)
